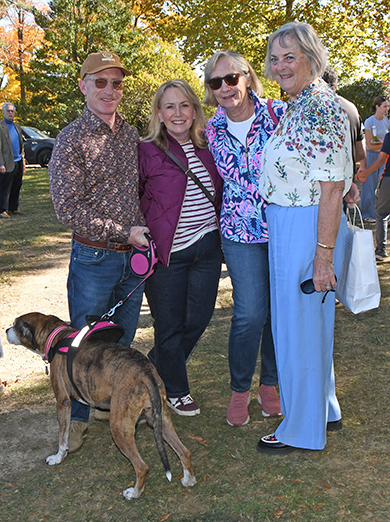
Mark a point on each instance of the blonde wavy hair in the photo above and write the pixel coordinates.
(157, 132)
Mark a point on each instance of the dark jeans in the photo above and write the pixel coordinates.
(10, 185)
(181, 299)
(97, 280)
(248, 269)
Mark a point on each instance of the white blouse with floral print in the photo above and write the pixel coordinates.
(312, 143)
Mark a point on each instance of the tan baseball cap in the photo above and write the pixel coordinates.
(96, 62)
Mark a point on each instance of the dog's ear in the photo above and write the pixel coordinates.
(28, 331)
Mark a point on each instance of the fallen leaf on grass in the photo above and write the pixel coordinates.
(10, 485)
(198, 439)
(165, 518)
(319, 507)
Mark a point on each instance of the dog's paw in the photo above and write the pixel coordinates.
(130, 493)
(52, 460)
(188, 480)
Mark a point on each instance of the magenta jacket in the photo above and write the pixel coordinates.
(162, 187)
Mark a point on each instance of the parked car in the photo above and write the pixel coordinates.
(38, 146)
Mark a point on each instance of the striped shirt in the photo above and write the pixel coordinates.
(197, 216)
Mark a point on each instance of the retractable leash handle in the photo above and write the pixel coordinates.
(142, 263)
(143, 259)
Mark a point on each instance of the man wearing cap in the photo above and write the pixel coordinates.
(93, 175)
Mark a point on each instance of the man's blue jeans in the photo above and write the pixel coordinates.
(181, 299)
(247, 265)
(97, 280)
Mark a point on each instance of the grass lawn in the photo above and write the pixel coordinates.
(348, 481)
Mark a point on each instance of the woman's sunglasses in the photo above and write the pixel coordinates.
(229, 79)
(101, 83)
(308, 287)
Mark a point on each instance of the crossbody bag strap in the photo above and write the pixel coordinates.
(271, 111)
(194, 178)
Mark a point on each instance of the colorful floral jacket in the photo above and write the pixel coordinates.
(242, 214)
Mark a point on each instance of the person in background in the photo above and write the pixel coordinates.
(236, 135)
(382, 207)
(11, 162)
(376, 127)
(93, 175)
(355, 121)
(184, 224)
(306, 170)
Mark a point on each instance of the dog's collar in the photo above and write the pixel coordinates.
(50, 339)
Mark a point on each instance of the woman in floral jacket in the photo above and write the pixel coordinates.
(236, 136)
(306, 170)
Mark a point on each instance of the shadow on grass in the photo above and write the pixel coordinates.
(35, 240)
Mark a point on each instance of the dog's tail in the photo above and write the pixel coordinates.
(155, 400)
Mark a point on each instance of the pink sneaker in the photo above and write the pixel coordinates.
(237, 414)
(269, 400)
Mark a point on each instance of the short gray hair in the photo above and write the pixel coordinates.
(240, 63)
(5, 105)
(308, 42)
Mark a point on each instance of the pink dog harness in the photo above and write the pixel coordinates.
(70, 345)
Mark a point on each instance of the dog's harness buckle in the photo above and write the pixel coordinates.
(70, 345)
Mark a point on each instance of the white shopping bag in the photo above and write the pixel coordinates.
(358, 286)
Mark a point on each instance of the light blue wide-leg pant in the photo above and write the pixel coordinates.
(302, 327)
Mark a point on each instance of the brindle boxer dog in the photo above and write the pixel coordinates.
(108, 376)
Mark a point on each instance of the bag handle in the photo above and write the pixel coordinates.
(272, 112)
(194, 178)
(356, 211)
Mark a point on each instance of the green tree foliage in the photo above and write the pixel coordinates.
(362, 94)
(152, 63)
(75, 28)
(352, 31)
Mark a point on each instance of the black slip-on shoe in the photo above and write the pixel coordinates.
(270, 444)
(334, 425)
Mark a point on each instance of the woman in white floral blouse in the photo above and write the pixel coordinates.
(306, 170)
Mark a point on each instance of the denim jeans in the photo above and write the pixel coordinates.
(247, 265)
(97, 280)
(182, 299)
(368, 188)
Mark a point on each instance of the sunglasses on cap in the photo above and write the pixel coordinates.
(307, 287)
(101, 83)
(229, 79)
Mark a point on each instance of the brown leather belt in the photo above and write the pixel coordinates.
(118, 247)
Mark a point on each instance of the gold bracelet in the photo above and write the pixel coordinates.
(325, 246)
(324, 259)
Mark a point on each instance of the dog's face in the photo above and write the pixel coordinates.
(32, 330)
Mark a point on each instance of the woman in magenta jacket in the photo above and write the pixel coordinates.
(184, 224)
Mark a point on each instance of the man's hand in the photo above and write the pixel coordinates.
(2, 169)
(137, 236)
